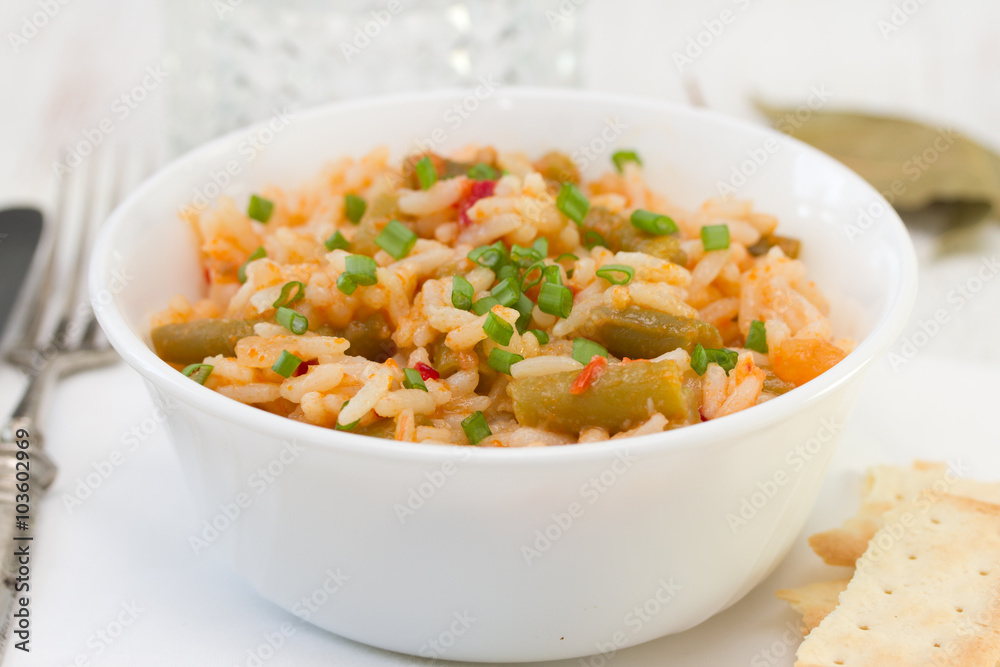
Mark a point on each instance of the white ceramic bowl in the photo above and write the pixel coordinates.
(510, 555)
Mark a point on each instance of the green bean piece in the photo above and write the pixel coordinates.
(775, 385)
(643, 333)
(370, 338)
(381, 209)
(558, 168)
(619, 234)
(788, 245)
(443, 358)
(191, 342)
(622, 397)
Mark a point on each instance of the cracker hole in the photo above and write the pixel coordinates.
(984, 573)
(959, 610)
(863, 627)
(937, 646)
(935, 521)
(913, 558)
(888, 592)
(899, 496)
(838, 662)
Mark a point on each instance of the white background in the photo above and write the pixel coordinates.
(126, 545)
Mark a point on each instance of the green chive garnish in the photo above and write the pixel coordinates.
(497, 329)
(294, 322)
(345, 284)
(541, 245)
(701, 358)
(483, 172)
(542, 337)
(653, 223)
(413, 380)
(555, 299)
(290, 293)
(354, 207)
(361, 269)
(462, 292)
(336, 242)
(396, 239)
(527, 281)
(506, 292)
(526, 307)
(621, 157)
(616, 274)
(572, 203)
(476, 428)
(286, 364)
(491, 256)
(426, 173)
(592, 239)
(552, 274)
(484, 305)
(260, 208)
(198, 372)
(501, 360)
(715, 237)
(757, 337)
(525, 257)
(256, 254)
(584, 350)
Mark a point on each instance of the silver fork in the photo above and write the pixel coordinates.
(55, 342)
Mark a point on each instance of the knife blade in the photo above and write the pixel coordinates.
(20, 231)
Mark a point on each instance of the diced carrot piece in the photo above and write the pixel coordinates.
(798, 361)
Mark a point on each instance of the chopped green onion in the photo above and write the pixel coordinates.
(348, 427)
(506, 291)
(490, 256)
(584, 350)
(354, 207)
(462, 292)
(715, 237)
(524, 257)
(567, 255)
(592, 239)
(542, 337)
(476, 428)
(701, 358)
(621, 157)
(505, 271)
(287, 298)
(260, 208)
(497, 329)
(572, 203)
(413, 380)
(552, 274)
(654, 223)
(541, 244)
(555, 299)
(198, 372)
(501, 360)
(616, 274)
(294, 322)
(757, 337)
(286, 364)
(396, 239)
(527, 283)
(336, 242)
(526, 307)
(256, 254)
(361, 269)
(426, 173)
(483, 172)
(484, 305)
(345, 284)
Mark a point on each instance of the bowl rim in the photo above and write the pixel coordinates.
(723, 431)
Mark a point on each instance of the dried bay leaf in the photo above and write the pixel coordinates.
(913, 165)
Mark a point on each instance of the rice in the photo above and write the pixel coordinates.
(397, 348)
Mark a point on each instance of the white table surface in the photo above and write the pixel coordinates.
(122, 554)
